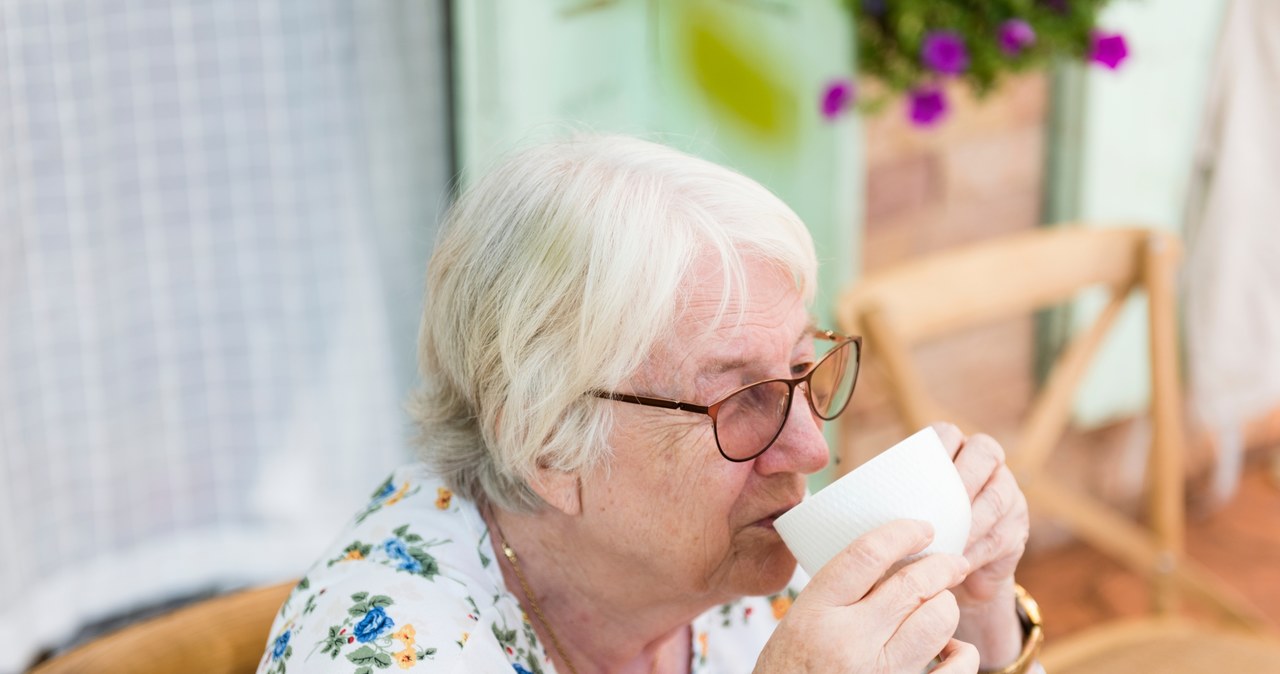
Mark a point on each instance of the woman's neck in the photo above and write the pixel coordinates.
(604, 621)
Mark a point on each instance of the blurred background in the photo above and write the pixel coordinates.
(215, 218)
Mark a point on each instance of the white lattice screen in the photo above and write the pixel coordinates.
(213, 220)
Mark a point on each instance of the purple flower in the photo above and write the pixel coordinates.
(944, 52)
(838, 95)
(1015, 36)
(1109, 49)
(928, 105)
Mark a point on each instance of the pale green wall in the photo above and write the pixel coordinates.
(736, 82)
(1131, 134)
(523, 68)
(788, 52)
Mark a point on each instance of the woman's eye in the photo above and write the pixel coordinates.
(801, 368)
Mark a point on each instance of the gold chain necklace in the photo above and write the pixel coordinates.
(510, 554)
(528, 594)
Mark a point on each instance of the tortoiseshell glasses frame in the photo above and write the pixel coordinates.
(749, 419)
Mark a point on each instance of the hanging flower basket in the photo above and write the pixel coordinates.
(912, 48)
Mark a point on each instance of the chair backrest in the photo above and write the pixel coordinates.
(222, 635)
(967, 287)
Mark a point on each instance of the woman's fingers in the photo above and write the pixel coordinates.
(999, 518)
(854, 616)
(950, 435)
(912, 586)
(958, 657)
(977, 461)
(923, 635)
(1000, 523)
(851, 574)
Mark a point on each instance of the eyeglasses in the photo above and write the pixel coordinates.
(750, 419)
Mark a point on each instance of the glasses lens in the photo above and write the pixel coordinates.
(750, 419)
(831, 384)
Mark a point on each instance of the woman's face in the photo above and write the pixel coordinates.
(669, 509)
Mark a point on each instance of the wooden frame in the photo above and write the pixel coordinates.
(948, 292)
(223, 635)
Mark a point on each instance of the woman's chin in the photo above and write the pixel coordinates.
(775, 568)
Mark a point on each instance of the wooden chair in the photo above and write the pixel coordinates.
(221, 635)
(972, 286)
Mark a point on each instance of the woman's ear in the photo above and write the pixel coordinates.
(561, 490)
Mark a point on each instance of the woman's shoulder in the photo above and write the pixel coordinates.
(411, 582)
(370, 619)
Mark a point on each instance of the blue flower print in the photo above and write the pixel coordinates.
(385, 490)
(282, 642)
(373, 625)
(520, 669)
(397, 551)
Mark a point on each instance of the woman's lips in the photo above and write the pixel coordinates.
(768, 520)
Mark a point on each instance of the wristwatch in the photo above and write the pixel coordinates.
(1032, 634)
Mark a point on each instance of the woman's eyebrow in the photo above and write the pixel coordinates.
(730, 363)
(723, 365)
(810, 327)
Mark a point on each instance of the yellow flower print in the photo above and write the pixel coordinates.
(702, 643)
(406, 634)
(406, 658)
(395, 498)
(443, 497)
(353, 555)
(780, 605)
(465, 636)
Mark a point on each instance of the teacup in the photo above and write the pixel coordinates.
(914, 479)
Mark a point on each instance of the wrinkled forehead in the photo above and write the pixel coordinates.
(717, 302)
(722, 320)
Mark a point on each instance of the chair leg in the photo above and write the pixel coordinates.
(1275, 468)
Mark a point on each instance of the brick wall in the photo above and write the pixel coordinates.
(978, 175)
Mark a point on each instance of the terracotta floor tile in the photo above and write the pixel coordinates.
(1077, 587)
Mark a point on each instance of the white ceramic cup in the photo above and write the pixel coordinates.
(915, 479)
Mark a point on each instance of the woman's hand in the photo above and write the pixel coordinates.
(852, 618)
(997, 540)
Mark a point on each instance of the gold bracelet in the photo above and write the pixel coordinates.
(1032, 634)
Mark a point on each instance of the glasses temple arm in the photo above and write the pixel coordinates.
(653, 402)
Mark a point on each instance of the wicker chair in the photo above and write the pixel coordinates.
(971, 286)
(221, 635)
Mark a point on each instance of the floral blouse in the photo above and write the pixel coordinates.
(412, 584)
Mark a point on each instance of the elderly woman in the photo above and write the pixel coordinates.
(570, 514)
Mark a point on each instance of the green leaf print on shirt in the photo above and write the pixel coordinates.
(405, 551)
(372, 635)
(385, 496)
(507, 638)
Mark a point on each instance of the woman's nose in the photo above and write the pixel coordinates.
(800, 447)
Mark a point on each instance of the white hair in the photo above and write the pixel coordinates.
(556, 275)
